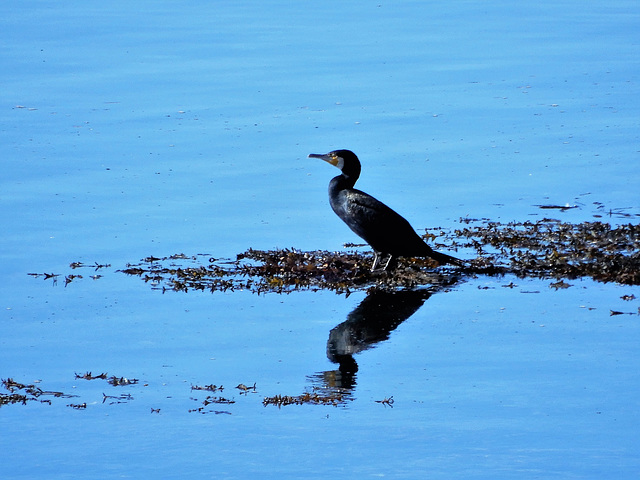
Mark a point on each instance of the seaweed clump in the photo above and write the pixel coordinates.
(313, 398)
(23, 393)
(284, 271)
(547, 248)
(550, 248)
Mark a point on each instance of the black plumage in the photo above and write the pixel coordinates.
(386, 231)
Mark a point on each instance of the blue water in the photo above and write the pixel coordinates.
(155, 128)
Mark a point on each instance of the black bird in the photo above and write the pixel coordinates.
(386, 231)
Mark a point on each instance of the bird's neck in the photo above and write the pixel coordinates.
(342, 182)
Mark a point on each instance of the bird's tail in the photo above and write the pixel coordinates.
(444, 258)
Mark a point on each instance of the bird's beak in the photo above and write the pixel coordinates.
(326, 157)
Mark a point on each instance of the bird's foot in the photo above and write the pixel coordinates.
(376, 261)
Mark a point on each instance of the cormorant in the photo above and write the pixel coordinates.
(386, 231)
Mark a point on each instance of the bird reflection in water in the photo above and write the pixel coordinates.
(371, 322)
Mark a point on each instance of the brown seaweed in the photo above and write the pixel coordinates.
(553, 249)
(547, 248)
(544, 249)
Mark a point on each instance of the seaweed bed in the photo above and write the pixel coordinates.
(547, 249)
(544, 249)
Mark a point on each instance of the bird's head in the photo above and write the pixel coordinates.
(345, 160)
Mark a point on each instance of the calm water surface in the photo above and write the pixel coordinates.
(148, 128)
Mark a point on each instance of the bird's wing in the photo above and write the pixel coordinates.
(371, 214)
